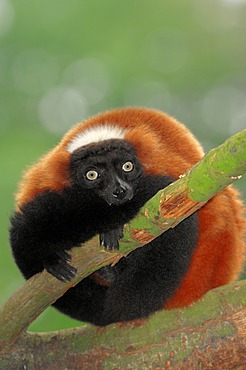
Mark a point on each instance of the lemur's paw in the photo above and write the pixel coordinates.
(110, 239)
(57, 266)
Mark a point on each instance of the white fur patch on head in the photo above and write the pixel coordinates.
(95, 135)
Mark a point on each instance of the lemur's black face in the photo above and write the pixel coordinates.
(109, 169)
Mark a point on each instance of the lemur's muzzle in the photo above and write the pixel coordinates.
(119, 193)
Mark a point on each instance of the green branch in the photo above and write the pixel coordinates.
(219, 168)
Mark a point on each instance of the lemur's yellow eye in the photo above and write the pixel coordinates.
(92, 175)
(128, 166)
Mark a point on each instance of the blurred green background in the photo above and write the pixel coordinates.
(61, 61)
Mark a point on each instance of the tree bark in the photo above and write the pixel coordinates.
(210, 334)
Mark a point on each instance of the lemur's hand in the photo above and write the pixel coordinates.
(57, 265)
(110, 239)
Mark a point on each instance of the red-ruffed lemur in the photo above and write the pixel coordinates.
(93, 182)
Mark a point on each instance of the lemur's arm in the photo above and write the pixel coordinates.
(50, 225)
(43, 230)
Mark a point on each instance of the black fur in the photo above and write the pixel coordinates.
(54, 222)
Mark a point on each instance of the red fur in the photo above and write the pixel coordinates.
(165, 147)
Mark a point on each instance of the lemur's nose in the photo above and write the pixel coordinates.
(119, 191)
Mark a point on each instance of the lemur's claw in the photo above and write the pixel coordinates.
(57, 266)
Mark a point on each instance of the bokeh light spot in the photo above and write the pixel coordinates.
(217, 16)
(89, 76)
(220, 107)
(60, 108)
(6, 16)
(167, 50)
(34, 71)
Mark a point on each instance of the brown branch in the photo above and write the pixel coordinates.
(209, 335)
